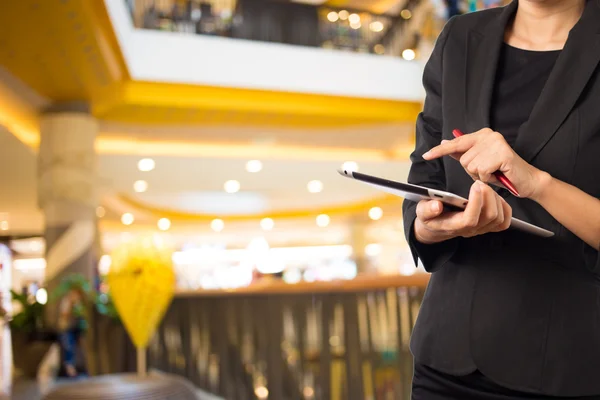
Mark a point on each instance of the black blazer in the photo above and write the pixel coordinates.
(523, 310)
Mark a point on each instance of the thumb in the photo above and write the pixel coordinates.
(429, 209)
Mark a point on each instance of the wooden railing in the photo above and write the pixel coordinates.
(345, 340)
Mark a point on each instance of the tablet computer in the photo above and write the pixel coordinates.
(418, 193)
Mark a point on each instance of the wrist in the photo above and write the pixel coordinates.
(543, 186)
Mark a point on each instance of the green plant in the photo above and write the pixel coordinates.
(31, 317)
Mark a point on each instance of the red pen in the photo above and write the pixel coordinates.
(499, 175)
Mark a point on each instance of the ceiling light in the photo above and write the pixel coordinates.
(333, 16)
(379, 49)
(100, 212)
(323, 220)
(232, 186)
(315, 186)
(354, 18)
(127, 219)
(164, 224)
(376, 26)
(350, 166)
(375, 213)
(217, 225)
(146, 164)
(409, 54)
(140, 186)
(406, 14)
(4, 225)
(355, 25)
(344, 15)
(267, 224)
(254, 166)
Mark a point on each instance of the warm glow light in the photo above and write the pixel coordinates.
(254, 166)
(409, 54)
(127, 219)
(350, 166)
(373, 249)
(406, 14)
(375, 213)
(261, 392)
(323, 220)
(376, 26)
(267, 224)
(315, 186)
(104, 264)
(344, 15)
(379, 49)
(100, 212)
(164, 224)
(41, 296)
(146, 164)
(333, 16)
(308, 392)
(217, 225)
(140, 186)
(232, 186)
(355, 25)
(4, 225)
(354, 18)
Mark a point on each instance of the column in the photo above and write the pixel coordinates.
(67, 192)
(359, 242)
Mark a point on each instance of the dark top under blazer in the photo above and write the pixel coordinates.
(523, 310)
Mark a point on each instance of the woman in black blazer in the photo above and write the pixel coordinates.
(509, 315)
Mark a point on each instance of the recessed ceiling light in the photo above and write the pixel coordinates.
(344, 15)
(375, 213)
(4, 225)
(376, 26)
(254, 166)
(146, 164)
(354, 19)
(127, 219)
(350, 166)
(217, 225)
(373, 249)
(164, 224)
(140, 186)
(100, 212)
(409, 54)
(232, 186)
(333, 16)
(406, 14)
(315, 186)
(323, 220)
(355, 25)
(267, 224)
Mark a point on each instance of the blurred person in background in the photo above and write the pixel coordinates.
(70, 324)
(510, 315)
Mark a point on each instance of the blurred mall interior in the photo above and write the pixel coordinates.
(168, 181)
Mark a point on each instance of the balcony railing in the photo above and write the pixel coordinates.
(329, 341)
(276, 21)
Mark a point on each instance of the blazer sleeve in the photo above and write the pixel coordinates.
(429, 173)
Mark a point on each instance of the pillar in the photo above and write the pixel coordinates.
(67, 192)
(359, 242)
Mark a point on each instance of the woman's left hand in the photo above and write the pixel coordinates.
(484, 152)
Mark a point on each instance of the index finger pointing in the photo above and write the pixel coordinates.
(458, 145)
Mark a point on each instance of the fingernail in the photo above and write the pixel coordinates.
(478, 186)
(435, 206)
(426, 155)
(445, 141)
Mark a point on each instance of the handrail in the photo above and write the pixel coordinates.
(363, 283)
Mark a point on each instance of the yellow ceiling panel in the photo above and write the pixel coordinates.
(65, 49)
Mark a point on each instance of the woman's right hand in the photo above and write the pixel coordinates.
(485, 212)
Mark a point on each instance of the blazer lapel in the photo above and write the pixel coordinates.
(574, 68)
(483, 51)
